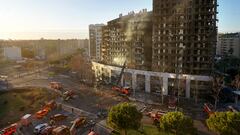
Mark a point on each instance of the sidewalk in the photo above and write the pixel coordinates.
(77, 111)
(202, 129)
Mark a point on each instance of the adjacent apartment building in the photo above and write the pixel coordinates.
(129, 39)
(95, 41)
(229, 44)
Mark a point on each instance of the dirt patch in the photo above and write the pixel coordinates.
(16, 103)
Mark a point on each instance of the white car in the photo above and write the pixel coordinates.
(39, 128)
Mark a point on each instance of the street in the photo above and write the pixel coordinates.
(87, 102)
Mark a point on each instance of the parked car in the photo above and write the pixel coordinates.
(47, 130)
(26, 120)
(58, 117)
(40, 114)
(39, 128)
(9, 130)
(79, 122)
(102, 113)
(61, 130)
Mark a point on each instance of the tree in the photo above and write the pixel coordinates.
(226, 63)
(236, 82)
(224, 123)
(83, 67)
(177, 123)
(230, 51)
(26, 53)
(217, 87)
(124, 116)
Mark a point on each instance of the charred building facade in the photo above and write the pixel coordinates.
(170, 49)
(129, 38)
(105, 44)
(184, 36)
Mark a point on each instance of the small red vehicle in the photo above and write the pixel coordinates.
(156, 115)
(40, 114)
(51, 105)
(9, 130)
(122, 90)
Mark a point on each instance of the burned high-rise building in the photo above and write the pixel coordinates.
(184, 36)
(178, 36)
(171, 48)
(129, 38)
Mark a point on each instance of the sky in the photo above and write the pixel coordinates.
(65, 19)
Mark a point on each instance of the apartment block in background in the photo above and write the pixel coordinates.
(12, 53)
(229, 44)
(48, 49)
(95, 40)
(1, 53)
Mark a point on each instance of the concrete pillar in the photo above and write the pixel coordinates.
(165, 86)
(99, 73)
(147, 84)
(134, 81)
(188, 87)
(96, 71)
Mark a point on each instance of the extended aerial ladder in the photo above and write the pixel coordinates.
(118, 86)
(121, 74)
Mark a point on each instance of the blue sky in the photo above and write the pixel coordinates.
(33, 19)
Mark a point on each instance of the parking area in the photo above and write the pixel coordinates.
(68, 121)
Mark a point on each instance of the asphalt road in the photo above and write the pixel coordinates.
(87, 102)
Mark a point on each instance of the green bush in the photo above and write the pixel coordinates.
(177, 123)
(224, 123)
(51, 74)
(124, 116)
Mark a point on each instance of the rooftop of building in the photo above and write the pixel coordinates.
(132, 15)
(230, 35)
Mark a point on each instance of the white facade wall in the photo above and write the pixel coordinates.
(98, 68)
(12, 53)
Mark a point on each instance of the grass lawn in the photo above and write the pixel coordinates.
(17, 103)
(147, 130)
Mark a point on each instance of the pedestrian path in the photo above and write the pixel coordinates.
(201, 127)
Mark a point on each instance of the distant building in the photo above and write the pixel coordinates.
(48, 49)
(1, 53)
(12, 53)
(95, 41)
(84, 44)
(229, 44)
